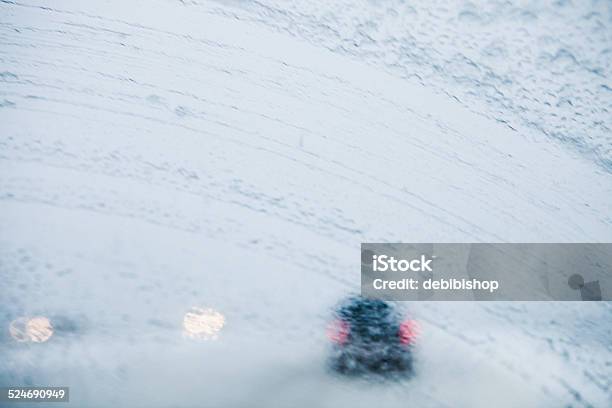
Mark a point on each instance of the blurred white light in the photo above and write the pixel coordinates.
(202, 324)
(31, 329)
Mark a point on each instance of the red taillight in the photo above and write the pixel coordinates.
(338, 331)
(408, 331)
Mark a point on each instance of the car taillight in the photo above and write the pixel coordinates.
(408, 332)
(338, 331)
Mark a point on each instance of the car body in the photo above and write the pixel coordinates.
(369, 335)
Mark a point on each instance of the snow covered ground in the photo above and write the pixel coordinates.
(158, 155)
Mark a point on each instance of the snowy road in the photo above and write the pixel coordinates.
(158, 155)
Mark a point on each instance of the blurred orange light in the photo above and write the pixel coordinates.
(203, 324)
(36, 329)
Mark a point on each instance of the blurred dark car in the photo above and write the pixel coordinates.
(369, 335)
